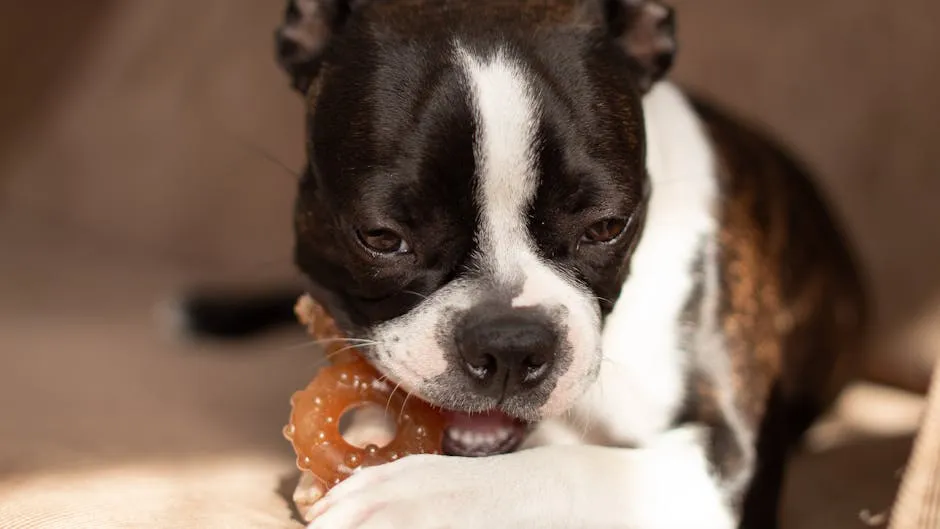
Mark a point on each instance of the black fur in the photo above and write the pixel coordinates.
(237, 315)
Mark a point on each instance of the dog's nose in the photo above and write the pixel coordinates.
(508, 352)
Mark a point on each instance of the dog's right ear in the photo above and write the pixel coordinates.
(646, 30)
(307, 29)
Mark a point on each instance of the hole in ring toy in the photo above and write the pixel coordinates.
(326, 454)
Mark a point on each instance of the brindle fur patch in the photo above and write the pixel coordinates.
(792, 309)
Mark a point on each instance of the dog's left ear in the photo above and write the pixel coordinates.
(646, 29)
(308, 27)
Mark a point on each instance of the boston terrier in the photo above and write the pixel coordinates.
(630, 302)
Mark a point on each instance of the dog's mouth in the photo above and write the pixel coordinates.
(482, 434)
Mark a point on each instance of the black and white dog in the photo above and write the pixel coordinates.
(643, 300)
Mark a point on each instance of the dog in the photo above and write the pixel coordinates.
(632, 302)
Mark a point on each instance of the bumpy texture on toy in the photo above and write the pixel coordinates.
(324, 456)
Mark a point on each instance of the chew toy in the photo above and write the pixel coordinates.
(325, 454)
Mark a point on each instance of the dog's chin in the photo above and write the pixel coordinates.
(482, 434)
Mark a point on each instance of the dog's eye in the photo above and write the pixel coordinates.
(383, 241)
(604, 231)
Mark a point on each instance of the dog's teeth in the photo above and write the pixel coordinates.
(476, 440)
(466, 438)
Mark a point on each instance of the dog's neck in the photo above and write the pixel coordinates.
(641, 386)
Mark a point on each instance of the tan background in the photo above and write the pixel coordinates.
(130, 134)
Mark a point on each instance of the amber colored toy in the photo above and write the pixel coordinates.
(324, 456)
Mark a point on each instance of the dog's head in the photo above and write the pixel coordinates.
(475, 184)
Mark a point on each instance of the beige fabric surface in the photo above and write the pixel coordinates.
(107, 420)
(235, 492)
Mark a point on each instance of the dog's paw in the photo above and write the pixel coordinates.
(417, 492)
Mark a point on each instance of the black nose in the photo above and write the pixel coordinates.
(505, 353)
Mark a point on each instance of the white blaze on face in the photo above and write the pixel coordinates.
(508, 116)
(507, 121)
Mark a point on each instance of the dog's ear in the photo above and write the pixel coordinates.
(307, 29)
(646, 29)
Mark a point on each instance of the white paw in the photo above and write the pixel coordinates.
(417, 492)
(563, 487)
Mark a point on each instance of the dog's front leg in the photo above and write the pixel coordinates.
(666, 486)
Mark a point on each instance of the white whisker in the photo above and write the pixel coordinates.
(413, 293)
(325, 359)
(327, 341)
(403, 404)
(389, 401)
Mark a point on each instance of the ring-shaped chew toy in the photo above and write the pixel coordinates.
(349, 383)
